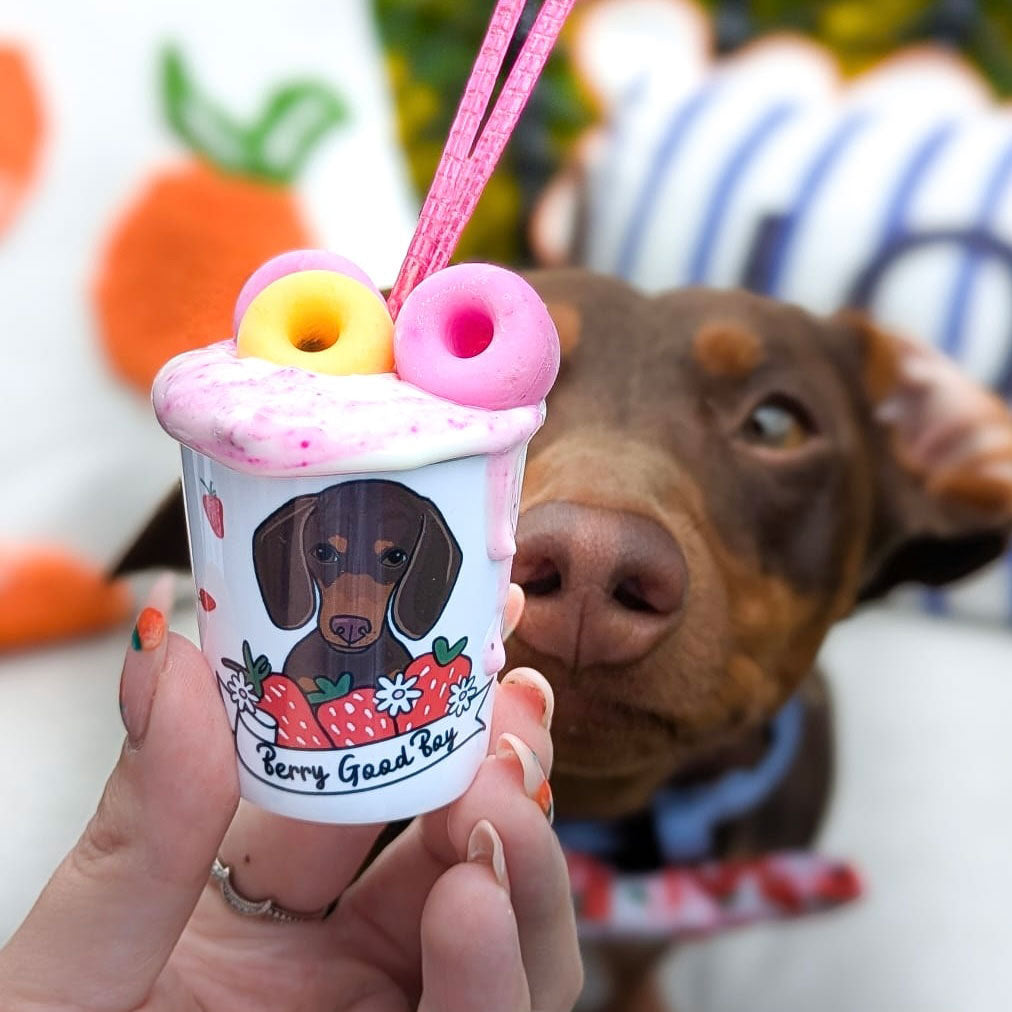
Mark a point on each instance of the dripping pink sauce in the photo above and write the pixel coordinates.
(261, 418)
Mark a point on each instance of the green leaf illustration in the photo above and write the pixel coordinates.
(327, 689)
(444, 653)
(274, 147)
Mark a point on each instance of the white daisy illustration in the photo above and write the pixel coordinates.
(461, 695)
(396, 695)
(242, 693)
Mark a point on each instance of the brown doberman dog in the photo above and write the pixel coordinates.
(351, 555)
(720, 479)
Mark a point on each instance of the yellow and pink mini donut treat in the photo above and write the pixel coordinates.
(317, 376)
(474, 334)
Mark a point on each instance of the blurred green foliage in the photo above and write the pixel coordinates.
(862, 32)
(430, 47)
(431, 44)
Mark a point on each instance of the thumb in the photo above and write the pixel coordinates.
(103, 928)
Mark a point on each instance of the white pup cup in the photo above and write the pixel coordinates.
(358, 683)
(351, 539)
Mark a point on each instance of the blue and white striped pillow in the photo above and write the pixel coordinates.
(894, 194)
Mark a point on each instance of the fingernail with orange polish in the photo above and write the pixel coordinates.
(484, 846)
(536, 784)
(145, 658)
(536, 682)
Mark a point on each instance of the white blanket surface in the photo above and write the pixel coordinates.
(923, 804)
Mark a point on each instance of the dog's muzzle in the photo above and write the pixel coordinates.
(350, 628)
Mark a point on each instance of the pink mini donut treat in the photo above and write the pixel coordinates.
(290, 263)
(478, 335)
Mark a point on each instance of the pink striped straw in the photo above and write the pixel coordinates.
(469, 159)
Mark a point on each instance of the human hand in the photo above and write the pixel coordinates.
(468, 909)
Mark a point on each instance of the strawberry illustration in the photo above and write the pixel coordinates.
(445, 681)
(354, 719)
(207, 602)
(214, 510)
(279, 696)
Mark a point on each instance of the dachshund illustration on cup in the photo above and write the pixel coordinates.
(366, 557)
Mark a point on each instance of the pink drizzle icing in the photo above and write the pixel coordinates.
(504, 473)
(260, 418)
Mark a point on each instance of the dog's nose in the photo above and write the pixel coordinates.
(603, 586)
(350, 628)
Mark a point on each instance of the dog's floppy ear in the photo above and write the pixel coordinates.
(943, 464)
(562, 292)
(280, 564)
(425, 588)
(162, 542)
(568, 322)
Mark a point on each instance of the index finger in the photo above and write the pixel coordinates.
(113, 911)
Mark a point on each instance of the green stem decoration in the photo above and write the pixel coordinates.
(273, 148)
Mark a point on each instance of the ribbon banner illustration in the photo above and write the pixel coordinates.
(355, 769)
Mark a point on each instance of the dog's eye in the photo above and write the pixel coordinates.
(325, 552)
(394, 557)
(779, 423)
